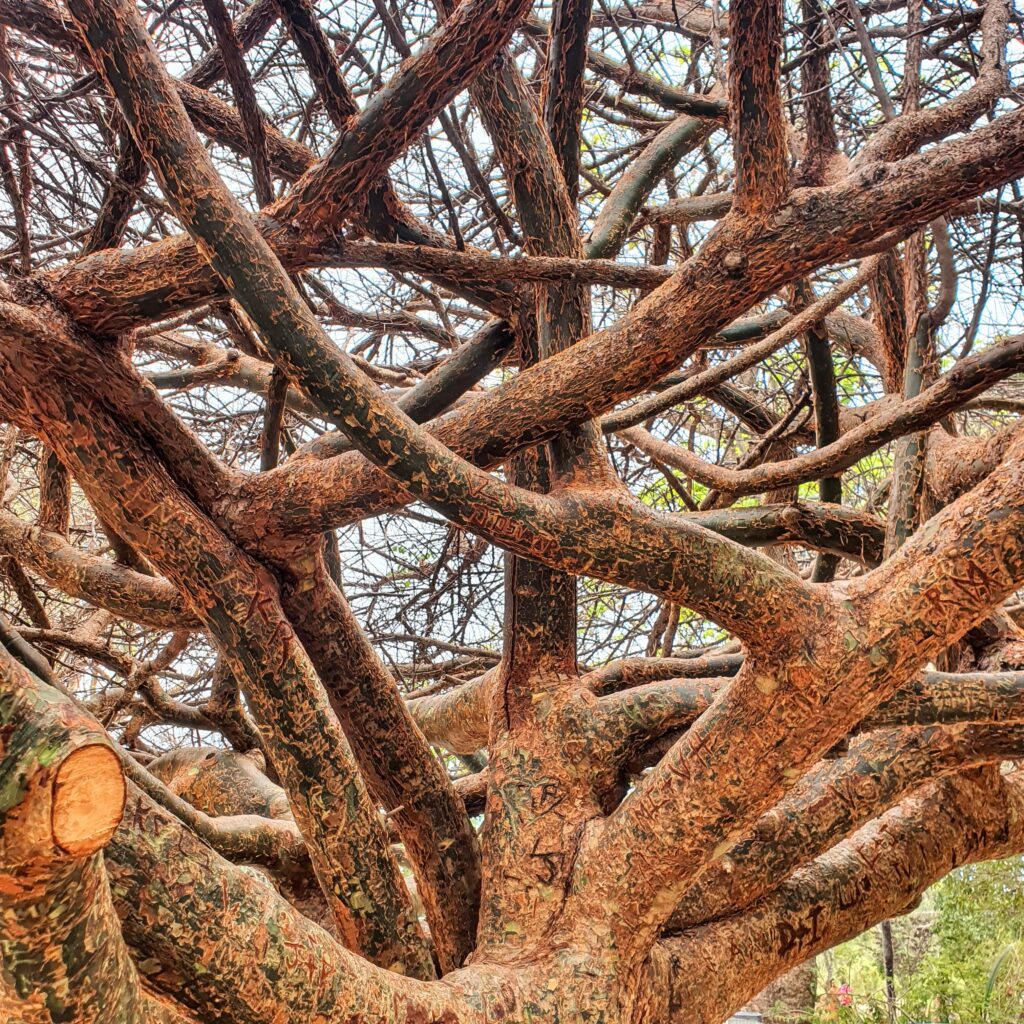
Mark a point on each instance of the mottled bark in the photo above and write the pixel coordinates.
(861, 651)
(63, 796)
(400, 771)
(101, 582)
(196, 920)
(755, 102)
(335, 817)
(875, 874)
(670, 324)
(661, 836)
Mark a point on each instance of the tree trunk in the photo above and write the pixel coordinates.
(479, 657)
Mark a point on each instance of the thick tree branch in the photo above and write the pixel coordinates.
(198, 919)
(876, 874)
(527, 524)
(663, 152)
(235, 599)
(250, 27)
(274, 842)
(220, 782)
(563, 85)
(819, 225)
(335, 187)
(396, 115)
(833, 801)
(63, 954)
(878, 632)
(755, 101)
(401, 772)
(237, 74)
(701, 383)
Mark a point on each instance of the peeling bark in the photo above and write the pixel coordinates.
(661, 836)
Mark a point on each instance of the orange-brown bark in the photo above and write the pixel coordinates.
(661, 836)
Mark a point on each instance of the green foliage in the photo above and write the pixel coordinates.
(959, 957)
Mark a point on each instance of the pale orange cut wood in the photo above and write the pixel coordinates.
(88, 800)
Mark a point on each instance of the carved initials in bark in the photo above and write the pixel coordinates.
(795, 938)
(661, 836)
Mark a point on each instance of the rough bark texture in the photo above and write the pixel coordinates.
(819, 708)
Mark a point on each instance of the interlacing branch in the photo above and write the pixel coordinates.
(279, 736)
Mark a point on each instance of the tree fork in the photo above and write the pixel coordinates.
(401, 771)
(235, 599)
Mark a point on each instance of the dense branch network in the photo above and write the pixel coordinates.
(517, 505)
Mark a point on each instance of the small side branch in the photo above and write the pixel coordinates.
(148, 600)
(901, 135)
(969, 377)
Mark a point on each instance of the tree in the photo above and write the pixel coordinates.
(824, 714)
(957, 956)
(973, 964)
